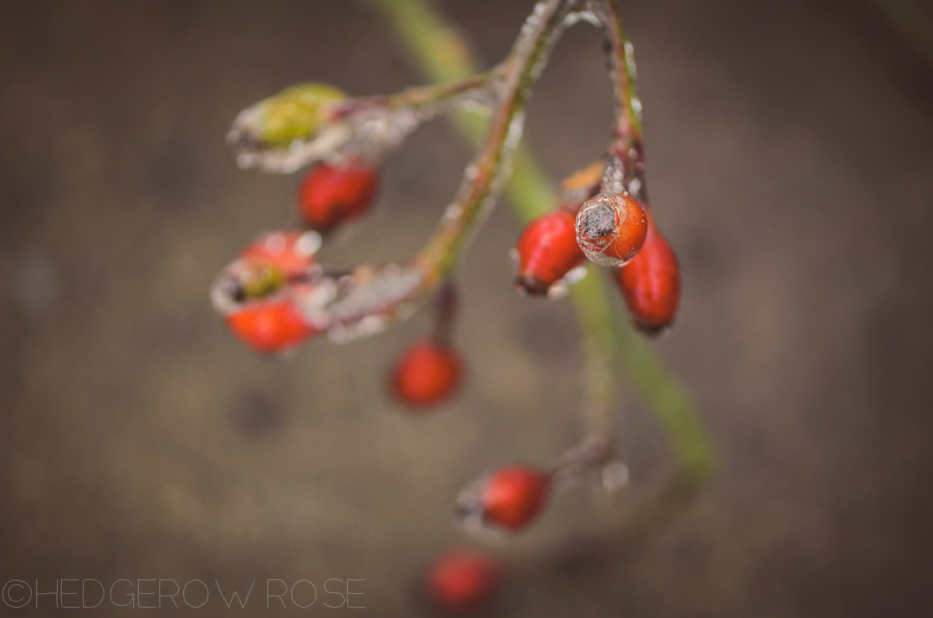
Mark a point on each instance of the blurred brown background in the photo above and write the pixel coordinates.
(790, 152)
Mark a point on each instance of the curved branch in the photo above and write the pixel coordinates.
(423, 31)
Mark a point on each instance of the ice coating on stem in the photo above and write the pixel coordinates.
(370, 299)
(476, 508)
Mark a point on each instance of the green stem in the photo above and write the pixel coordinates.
(595, 316)
(443, 56)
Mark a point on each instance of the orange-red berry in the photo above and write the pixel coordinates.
(291, 252)
(463, 580)
(427, 374)
(611, 228)
(265, 317)
(514, 496)
(650, 283)
(269, 325)
(547, 250)
(330, 196)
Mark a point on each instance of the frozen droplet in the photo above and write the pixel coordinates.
(516, 261)
(226, 290)
(337, 333)
(561, 288)
(453, 211)
(308, 244)
(468, 509)
(585, 16)
(319, 295)
(470, 515)
(614, 475)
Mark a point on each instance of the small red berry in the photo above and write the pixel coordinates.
(330, 196)
(547, 250)
(291, 252)
(427, 374)
(269, 325)
(514, 496)
(463, 580)
(611, 228)
(271, 263)
(650, 283)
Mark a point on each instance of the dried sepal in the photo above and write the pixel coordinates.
(580, 186)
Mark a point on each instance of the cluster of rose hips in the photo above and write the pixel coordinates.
(616, 228)
(610, 229)
(276, 294)
(429, 371)
(328, 197)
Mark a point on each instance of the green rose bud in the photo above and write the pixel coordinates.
(295, 113)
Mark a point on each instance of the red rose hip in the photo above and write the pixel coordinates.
(427, 374)
(514, 496)
(650, 283)
(611, 228)
(330, 196)
(547, 250)
(255, 292)
(463, 580)
(269, 325)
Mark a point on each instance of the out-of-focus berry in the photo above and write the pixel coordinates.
(427, 374)
(330, 196)
(273, 260)
(514, 496)
(463, 580)
(253, 294)
(269, 325)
